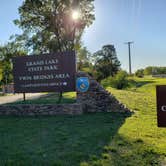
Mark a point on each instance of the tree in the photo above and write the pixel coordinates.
(139, 73)
(48, 25)
(153, 70)
(106, 62)
(83, 59)
(6, 53)
(119, 81)
(148, 70)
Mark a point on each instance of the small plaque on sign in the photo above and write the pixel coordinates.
(161, 105)
(82, 84)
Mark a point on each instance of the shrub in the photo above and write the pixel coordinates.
(119, 81)
(139, 73)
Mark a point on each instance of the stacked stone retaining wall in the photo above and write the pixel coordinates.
(96, 99)
(41, 109)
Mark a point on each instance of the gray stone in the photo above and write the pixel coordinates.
(97, 99)
(35, 109)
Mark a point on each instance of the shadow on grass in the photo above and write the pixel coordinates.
(60, 141)
(128, 84)
(122, 152)
(138, 84)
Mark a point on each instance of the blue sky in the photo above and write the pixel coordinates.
(141, 21)
(117, 21)
(8, 13)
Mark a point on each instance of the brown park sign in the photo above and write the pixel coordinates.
(161, 105)
(45, 73)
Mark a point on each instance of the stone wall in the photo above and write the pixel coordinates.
(41, 109)
(97, 99)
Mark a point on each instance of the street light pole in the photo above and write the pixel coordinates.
(129, 48)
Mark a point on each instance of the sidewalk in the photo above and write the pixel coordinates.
(18, 97)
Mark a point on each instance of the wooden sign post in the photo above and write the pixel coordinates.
(161, 105)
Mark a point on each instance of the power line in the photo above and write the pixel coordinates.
(129, 47)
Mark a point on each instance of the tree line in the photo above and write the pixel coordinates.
(100, 65)
(151, 70)
(47, 26)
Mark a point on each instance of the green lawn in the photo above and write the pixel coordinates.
(60, 141)
(101, 139)
(51, 98)
(142, 142)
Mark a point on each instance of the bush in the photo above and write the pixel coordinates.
(139, 73)
(119, 81)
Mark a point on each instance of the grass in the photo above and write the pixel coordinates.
(139, 141)
(53, 98)
(101, 139)
(62, 140)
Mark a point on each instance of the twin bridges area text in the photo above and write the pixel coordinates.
(42, 66)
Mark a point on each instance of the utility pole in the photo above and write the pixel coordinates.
(129, 47)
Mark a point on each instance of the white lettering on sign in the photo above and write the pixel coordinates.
(31, 69)
(35, 63)
(42, 62)
(43, 84)
(25, 78)
(43, 77)
(41, 68)
(66, 75)
(163, 108)
(50, 62)
(51, 67)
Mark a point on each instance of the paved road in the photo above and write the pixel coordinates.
(18, 97)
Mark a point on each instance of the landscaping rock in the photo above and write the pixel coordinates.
(97, 99)
(40, 109)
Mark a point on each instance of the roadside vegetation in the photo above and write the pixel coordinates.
(138, 141)
(102, 139)
(98, 139)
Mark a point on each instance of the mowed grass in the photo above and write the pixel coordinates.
(100, 139)
(51, 98)
(139, 141)
(58, 141)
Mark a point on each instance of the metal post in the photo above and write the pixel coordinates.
(130, 72)
(60, 97)
(24, 96)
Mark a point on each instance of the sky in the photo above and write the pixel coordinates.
(117, 22)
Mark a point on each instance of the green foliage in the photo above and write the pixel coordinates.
(139, 73)
(7, 52)
(140, 146)
(83, 60)
(1, 71)
(106, 62)
(150, 70)
(119, 81)
(99, 139)
(7, 75)
(48, 25)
